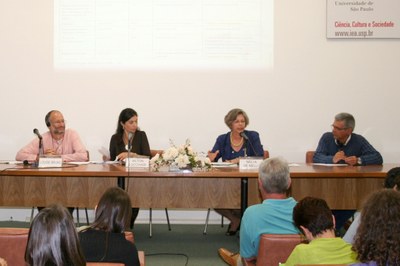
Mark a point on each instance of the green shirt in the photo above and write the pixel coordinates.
(322, 251)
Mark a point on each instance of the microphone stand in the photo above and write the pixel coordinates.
(40, 153)
(245, 147)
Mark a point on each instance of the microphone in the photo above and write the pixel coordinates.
(246, 138)
(131, 135)
(36, 132)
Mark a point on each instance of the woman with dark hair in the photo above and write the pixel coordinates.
(104, 240)
(128, 136)
(238, 142)
(377, 241)
(53, 240)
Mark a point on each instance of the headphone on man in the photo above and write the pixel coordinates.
(47, 118)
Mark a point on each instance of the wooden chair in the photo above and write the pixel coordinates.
(154, 153)
(266, 156)
(13, 244)
(309, 156)
(274, 249)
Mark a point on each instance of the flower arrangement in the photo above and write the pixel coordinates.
(180, 157)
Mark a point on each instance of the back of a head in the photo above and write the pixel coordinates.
(393, 178)
(274, 175)
(53, 239)
(114, 211)
(378, 235)
(313, 214)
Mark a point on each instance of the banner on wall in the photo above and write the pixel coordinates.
(355, 19)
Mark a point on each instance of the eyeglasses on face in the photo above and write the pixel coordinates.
(338, 128)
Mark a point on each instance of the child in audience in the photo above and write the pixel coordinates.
(53, 240)
(314, 218)
(104, 240)
(377, 241)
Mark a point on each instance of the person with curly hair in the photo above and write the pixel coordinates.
(392, 181)
(377, 241)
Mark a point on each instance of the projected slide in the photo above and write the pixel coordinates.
(163, 34)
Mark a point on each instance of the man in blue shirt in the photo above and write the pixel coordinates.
(342, 146)
(272, 216)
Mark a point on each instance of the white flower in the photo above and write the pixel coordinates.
(182, 161)
(181, 157)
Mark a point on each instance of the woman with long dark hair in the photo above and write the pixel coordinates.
(53, 240)
(104, 240)
(128, 136)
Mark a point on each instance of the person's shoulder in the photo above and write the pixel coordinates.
(140, 133)
(252, 133)
(327, 135)
(116, 136)
(71, 132)
(356, 136)
(223, 136)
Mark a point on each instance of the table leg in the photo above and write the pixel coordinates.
(243, 194)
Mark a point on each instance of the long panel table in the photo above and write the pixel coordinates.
(344, 187)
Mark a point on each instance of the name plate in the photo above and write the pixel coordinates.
(137, 163)
(50, 162)
(250, 163)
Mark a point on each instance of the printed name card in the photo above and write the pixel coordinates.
(137, 162)
(249, 163)
(50, 162)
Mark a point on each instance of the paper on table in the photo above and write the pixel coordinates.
(331, 164)
(105, 152)
(79, 163)
(223, 164)
(10, 162)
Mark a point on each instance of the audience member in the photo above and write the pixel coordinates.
(314, 218)
(392, 181)
(342, 146)
(238, 142)
(377, 241)
(104, 240)
(272, 216)
(128, 136)
(53, 240)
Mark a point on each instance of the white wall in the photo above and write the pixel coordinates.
(290, 106)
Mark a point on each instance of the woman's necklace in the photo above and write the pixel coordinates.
(126, 142)
(236, 144)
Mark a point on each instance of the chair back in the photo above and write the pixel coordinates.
(309, 156)
(13, 244)
(275, 249)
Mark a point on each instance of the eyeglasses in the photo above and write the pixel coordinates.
(338, 128)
